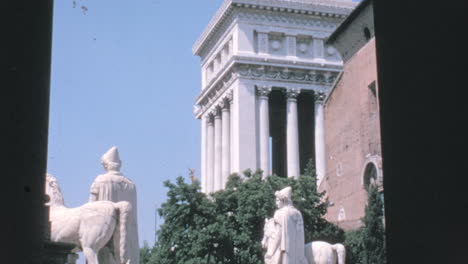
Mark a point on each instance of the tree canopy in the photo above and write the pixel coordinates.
(227, 226)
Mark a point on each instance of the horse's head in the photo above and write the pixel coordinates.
(53, 191)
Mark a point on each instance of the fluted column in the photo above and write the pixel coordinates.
(320, 157)
(264, 129)
(292, 133)
(226, 141)
(209, 154)
(203, 153)
(217, 149)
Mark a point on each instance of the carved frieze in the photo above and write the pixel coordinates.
(276, 44)
(304, 46)
(284, 73)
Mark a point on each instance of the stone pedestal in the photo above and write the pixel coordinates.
(54, 252)
(58, 253)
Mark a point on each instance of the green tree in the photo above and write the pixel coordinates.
(227, 226)
(366, 245)
(354, 247)
(373, 231)
(145, 253)
(186, 233)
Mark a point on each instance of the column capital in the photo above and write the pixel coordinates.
(216, 112)
(209, 119)
(226, 101)
(319, 97)
(263, 91)
(292, 93)
(229, 95)
(224, 105)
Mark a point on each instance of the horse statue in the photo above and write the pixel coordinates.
(316, 252)
(91, 226)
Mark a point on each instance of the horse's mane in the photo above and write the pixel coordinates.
(53, 190)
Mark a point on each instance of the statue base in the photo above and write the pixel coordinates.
(59, 253)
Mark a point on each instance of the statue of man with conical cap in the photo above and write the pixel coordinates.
(114, 186)
(289, 241)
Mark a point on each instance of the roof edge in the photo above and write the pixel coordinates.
(339, 5)
(332, 38)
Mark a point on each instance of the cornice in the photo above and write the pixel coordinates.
(276, 62)
(288, 62)
(324, 8)
(222, 12)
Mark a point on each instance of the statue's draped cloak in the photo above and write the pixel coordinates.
(113, 186)
(292, 235)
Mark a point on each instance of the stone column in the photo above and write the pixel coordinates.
(217, 149)
(209, 154)
(292, 133)
(203, 153)
(320, 157)
(226, 144)
(264, 129)
(231, 131)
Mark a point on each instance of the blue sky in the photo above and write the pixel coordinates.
(123, 74)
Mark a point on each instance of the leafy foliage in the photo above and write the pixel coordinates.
(367, 244)
(374, 231)
(354, 246)
(227, 226)
(145, 253)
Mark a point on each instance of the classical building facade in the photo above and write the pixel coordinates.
(266, 70)
(352, 125)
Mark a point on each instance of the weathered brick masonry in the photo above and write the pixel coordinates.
(352, 137)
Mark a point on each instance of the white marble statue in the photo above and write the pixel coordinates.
(90, 226)
(286, 245)
(114, 186)
(321, 252)
(316, 252)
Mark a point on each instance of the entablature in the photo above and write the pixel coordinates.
(311, 76)
(316, 63)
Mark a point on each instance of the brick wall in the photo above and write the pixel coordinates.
(352, 137)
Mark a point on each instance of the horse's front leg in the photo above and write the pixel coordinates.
(91, 256)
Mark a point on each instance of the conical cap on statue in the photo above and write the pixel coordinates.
(112, 155)
(284, 193)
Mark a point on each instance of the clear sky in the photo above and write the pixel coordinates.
(123, 74)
